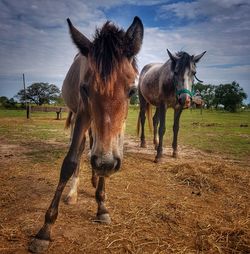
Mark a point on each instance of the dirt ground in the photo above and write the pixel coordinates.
(198, 203)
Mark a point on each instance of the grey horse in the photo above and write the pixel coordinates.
(166, 85)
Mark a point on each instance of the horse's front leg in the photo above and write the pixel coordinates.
(43, 237)
(177, 114)
(73, 193)
(142, 119)
(102, 212)
(155, 124)
(94, 178)
(162, 129)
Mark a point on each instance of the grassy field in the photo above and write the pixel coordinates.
(212, 131)
(35, 133)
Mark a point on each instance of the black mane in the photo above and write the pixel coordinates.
(183, 62)
(108, 49)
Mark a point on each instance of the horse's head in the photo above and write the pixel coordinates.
(184, 69)
(107, 87)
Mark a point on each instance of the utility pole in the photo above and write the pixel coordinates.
(27, 106)
(24, 91)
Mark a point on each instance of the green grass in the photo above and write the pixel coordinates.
(12, 113)
(212, 131)
(44, 137)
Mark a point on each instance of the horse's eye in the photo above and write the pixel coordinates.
(132, 91)
(84, 89)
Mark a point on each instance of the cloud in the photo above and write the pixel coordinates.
(222, 28)
(212, 9)
(35, 38)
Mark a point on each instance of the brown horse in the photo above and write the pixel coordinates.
(97, 88)
(166, 85)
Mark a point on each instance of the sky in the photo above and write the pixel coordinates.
(34, 37)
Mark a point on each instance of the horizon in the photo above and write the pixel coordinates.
(35, 38)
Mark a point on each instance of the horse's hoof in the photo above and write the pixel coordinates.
(175, 155)
(157, 160)
(103, 218)
(39, 245)
(71, 200)
(156, 144)
(143, 145)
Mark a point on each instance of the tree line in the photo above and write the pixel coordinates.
(38, 93)
(230, 96)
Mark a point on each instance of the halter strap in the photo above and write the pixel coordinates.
(178, 92)
(198, 79)
(181, 91)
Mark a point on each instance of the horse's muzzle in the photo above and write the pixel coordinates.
(105, 166)
(184, 100)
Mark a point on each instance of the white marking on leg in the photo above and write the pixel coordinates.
(74, 186)
(72, 196)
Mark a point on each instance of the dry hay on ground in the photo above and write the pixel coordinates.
(196, 204)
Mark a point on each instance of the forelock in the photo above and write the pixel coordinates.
(183, 62)
(107, 49)
(107, 55)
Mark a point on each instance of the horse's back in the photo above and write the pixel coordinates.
(72, 81)
(149, 69)
(149, 82)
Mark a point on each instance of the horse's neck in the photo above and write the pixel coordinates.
(166, 72)
(167, 77)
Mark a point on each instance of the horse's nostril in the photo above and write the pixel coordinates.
(104, 166)
(93, 161)
(117, 163)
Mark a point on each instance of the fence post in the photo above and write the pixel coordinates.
(28, 110)
(59, 114)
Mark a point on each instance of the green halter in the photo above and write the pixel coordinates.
(184, 90)
(181, 91)
(178, 92)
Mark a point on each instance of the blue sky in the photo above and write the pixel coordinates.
(34, 36)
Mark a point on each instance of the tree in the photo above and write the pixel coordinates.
(8, 103)
(39, 93)
(230, 96)
(3, 100)
(59, 100)
(207, 93)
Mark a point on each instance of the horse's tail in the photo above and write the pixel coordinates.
(138, 124)
(149, 116)
(69, 120)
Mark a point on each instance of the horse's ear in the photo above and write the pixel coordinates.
(82, 42)
(134, 37)
(172, 57)
(198, 57)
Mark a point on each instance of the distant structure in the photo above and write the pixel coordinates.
(197, 101)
